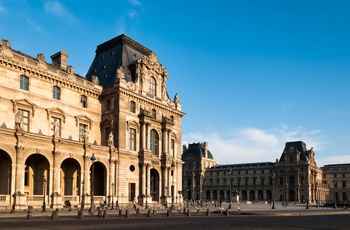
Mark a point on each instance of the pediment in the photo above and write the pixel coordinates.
(25, 104)
(83, 119)
(56, 112)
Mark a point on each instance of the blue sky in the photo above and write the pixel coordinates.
(251, 75)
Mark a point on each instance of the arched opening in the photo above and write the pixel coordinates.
(228, 196)
(154, 185)
(215, 195)
(260, 195)
(154, 139)
(251, 195)
(291, 195)
(5, 173)
(70, 179)
(244, 195)
(207, 195)
(37, 168)
(99, 179)
(222, 195)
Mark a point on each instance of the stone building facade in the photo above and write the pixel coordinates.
(294, 178)
(114, 134)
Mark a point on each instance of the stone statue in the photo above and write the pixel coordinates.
(110, 139)
(56, 128)
(120, 73)
(177, 99)
(18, 120)
(85, 134)
(95, 80)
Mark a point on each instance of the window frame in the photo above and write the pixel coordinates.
(132, 139)
(52, 121)
(154, 142)
(83, 101)
(56, 92)
(153, 86)
(24, 82)
(25, 119)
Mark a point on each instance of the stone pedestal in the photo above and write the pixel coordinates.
(56, 201)
(20, 201)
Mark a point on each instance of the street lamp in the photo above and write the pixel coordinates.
(273, 191)
(335, 194)
(93, 159)
(146, 198)
(229, 206)
(44, 188)
(112, 195)
(307, 187)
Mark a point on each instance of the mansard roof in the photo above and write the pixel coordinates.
(110, 55)
(295, 147)
(196, 150)
(336, 167)
(245, 165)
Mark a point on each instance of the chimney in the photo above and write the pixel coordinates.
(59, 59)
(206, 149)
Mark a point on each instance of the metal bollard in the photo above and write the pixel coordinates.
(226, 213)
(29, 214)
(188, 213)
(104, 213)
(168, 213)
(149, 213)
(127, 215)
(208, 212)
(80, 214)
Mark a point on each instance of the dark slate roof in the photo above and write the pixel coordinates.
(197, 150)
(336, 167)
(119, 51)
(245, 165)
(297, 145)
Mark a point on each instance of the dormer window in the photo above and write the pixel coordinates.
(152, 86)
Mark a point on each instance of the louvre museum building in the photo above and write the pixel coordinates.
(293, 178)
(113, 135)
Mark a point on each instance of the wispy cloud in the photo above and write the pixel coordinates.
(254, 145)
(131, 15)
(135, 3)
(56, 8)
(2, 10)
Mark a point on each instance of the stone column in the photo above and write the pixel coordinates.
(56, 197)
(143, 136)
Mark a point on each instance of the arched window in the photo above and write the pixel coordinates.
(152, 86)
(154, 142)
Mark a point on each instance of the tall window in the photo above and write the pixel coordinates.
(172, 147)
(24, 83)
(25, 119)
(108, 105)
(56, 126)
(56, 93)
(82, 132)
(152, 86)
(83, 101)
(132, 139)
(132, 107)
(154, 142)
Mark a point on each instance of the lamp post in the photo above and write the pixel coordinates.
(93, 159)
(307, 187)
(44, 188)
(112, 195)
(230, 205)
(146, 198)
(335, 194)
(273, 191)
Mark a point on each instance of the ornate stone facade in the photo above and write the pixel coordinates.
(294, 178)
(115, 134)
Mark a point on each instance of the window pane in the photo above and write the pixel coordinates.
(25, 119)
(154, 142)
(132, 139)
(83, 101)
(56, 93)
(82, 132)
(152, 86)
(24, 82)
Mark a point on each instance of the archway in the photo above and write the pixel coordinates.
(37, 168)
(291, 195)
(222, 195)
(244, 195)
(251, 195)
(154, 185)
(260, 195)
(268, 195)
(99, 179)
(70, 178)
(215, 195)
(207, 195)
(5, 173)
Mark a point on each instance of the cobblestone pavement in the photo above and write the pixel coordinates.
(240, 216)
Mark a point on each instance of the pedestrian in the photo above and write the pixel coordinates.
(134, 203)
